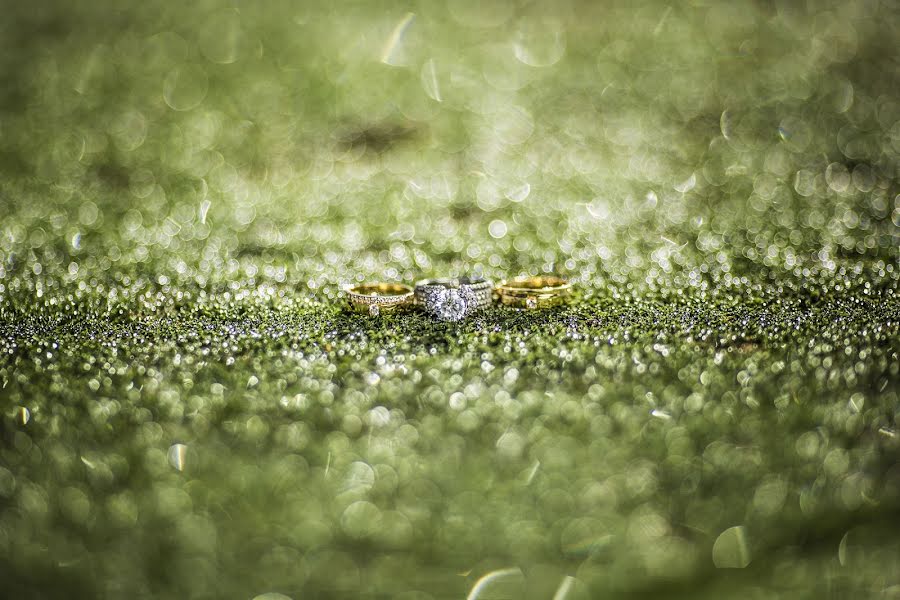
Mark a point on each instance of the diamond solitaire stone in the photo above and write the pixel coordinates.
(453, 306)
(531, 302)
(374, 310)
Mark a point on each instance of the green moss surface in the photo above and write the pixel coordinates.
(189, 412)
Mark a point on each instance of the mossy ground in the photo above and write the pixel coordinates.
(188, 411)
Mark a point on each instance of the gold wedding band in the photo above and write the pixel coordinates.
(533, 292)
(376, 298)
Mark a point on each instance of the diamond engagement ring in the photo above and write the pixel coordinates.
(534, 292)
(453, 299)
(376, 298)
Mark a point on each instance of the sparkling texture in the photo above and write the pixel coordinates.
(189, 410)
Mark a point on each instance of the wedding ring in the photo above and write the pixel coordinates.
(453, 299)
(376, 298)
(534, 292)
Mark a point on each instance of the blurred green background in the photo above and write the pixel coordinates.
(188, 411)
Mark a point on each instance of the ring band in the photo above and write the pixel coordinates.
(453, 299)
(534, 292)
(375, 298)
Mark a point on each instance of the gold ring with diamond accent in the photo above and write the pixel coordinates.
(542, 291)
(379, 297)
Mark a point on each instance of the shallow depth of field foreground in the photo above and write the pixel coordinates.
(187, 409)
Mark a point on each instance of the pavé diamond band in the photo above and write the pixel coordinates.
(534, 292)
(453, 299)
(376, 298)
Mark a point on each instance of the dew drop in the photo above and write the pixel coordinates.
(430, 81)
(795, 133)
(497, 229)
(518, 193)
(687, 185)
(185, 87)
(502, 583)
(176, 455)
(510, 445)
(361, 519)
(539, 43)
(730, 550)
(838, 177)
(660, 414)
(360, 478)
(204, 209)
(726, 124)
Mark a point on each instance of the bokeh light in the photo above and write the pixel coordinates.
(187, 411)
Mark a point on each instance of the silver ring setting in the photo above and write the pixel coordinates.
(453, 299)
